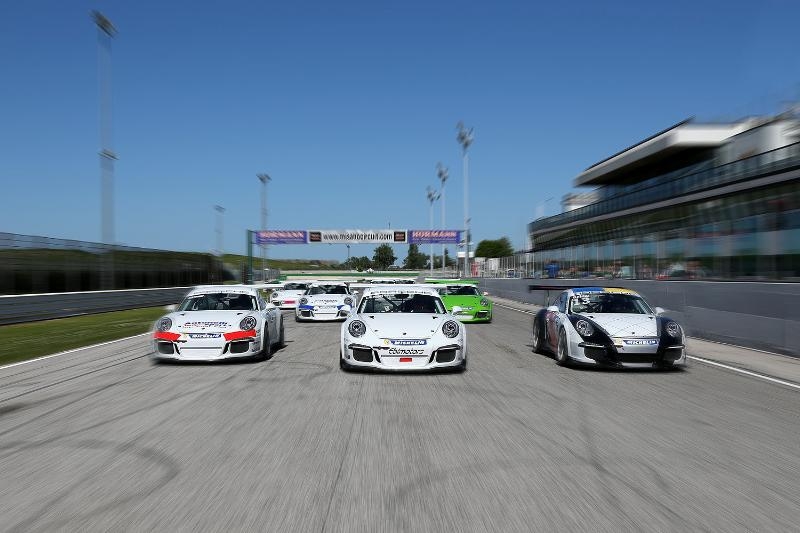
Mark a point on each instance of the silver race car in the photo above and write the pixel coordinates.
(609, 327)
(404, 328)
(287, 296)
(218, 322)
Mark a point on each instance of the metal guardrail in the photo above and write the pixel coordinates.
(756, 315)
(15, 309)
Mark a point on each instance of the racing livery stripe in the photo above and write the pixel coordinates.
(166, 335)
(235, 335)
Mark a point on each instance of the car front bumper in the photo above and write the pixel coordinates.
(361, 356)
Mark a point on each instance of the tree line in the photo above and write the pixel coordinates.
(384, 257)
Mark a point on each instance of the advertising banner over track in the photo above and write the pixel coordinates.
(281, 237)
(434, 236)
(356, 236)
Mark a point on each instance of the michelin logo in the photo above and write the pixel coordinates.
(408, 342)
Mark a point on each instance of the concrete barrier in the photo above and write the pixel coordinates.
(30, 307)
(764, 316)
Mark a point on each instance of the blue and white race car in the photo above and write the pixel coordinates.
(609, 327)
(402, 328)
(325, 301)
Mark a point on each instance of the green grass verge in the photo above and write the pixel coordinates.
(35, 339)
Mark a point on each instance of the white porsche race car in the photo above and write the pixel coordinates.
(325, 301)
(402, 328)
(218, 322)
(289, 294)
(608, 327)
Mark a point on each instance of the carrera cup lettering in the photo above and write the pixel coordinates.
(401, 351)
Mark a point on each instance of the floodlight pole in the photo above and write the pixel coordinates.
(220, 212)
(432, 197)
(105, 33)
(264, 178)
(465, 139)
(443, 174)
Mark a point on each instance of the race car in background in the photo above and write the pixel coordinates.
(325, 301)
(609, 327)
(405, 328)
(216, 322)
(289, 294)
(475, 307)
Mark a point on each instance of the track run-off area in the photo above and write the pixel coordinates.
(101, 439)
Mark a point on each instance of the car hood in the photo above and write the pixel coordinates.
(463, 301)
(210, 320)
(327, 299)
(625, 325)
(402, 325)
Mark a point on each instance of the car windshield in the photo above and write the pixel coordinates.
(327, 289)
(295, 286)
(219, 301)
(401, 303)
(609, 303)
(456, 290)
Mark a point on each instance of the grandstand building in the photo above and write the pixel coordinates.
(695, 201)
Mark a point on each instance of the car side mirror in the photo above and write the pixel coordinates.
(355, 293)
(659, 311)
(456, 310)
(553, 308)
(170, 308)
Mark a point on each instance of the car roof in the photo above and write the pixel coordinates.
(407, 289)
(228, 289)
(604, 290)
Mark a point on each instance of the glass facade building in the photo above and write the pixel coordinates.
(729, 211)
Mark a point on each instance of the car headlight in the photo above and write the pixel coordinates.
(348, 301)
(484, 302)
(357, 328)
(303, 301)
(673, 329)
(450, 329)
(164, 324)
(584, 328)
(248, 323)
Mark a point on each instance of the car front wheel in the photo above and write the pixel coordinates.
(562, 354)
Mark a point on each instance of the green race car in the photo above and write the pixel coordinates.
(475, 307)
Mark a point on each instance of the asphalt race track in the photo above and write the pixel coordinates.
(101, 439)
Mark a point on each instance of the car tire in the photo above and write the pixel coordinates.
(538, 341)
(281, 337)
(297, 318)
(342, 365)
(562, 353)
(266, 352)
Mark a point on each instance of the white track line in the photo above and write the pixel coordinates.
(70, 351)
(706, 361)
(747, 372)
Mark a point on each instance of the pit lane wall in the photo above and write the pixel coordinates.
(764, 316)
(16, 309)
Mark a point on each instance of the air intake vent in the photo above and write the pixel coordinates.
(362, 355)
(166, 348)
(445, 356)
(240, 347)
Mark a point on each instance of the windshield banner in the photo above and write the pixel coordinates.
(434, 236)
(281, 237)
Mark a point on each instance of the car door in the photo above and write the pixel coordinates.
(553, 320)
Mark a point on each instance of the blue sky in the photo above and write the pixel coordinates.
(349, 106)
